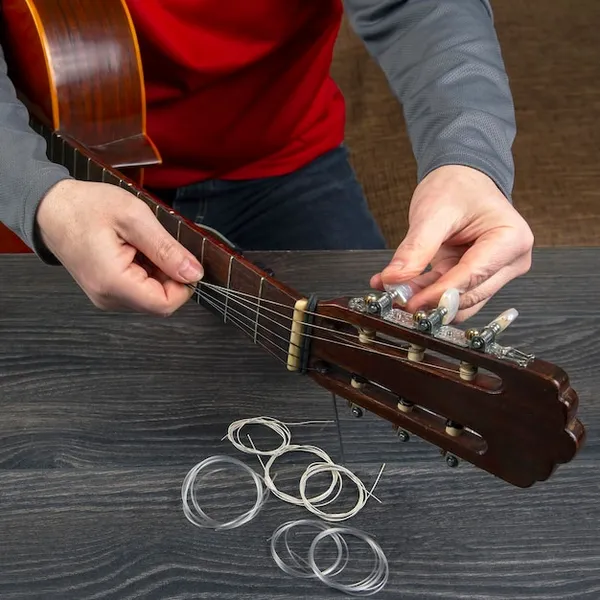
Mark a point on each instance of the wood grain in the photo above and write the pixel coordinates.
(103, 414)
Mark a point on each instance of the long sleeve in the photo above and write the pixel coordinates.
(26, 174)
(443, 62)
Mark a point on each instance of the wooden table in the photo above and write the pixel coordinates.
(103, 415)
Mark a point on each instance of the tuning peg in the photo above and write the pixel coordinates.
(450, 302)
(480, 339)
(400, 293)
(429, 322)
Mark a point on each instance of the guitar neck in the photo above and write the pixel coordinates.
(239, 291)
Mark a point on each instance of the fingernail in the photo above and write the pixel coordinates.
(190, 271)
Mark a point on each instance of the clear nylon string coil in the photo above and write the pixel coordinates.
(303, 570)
(200, 518)
(372, 583)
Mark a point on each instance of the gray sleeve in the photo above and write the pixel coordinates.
(26, 174)
(443, 62)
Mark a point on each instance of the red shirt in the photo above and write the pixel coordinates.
(238, 88)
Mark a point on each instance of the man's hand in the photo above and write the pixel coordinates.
(96, 230)
(475, 241)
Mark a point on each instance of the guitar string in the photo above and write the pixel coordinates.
(242, 326)
(351, 337)
(356, 346)
(220, 306)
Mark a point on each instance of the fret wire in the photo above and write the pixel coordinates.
(241, 326)
(228, 285)
(178, 229)
(260, 289)
(202, 250)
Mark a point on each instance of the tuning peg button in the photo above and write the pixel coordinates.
(401, 293)
(447, 308)
(502, 321)
(449, 301)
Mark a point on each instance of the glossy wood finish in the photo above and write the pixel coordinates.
(76, 66)
(104, 414)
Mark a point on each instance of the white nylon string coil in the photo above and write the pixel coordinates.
(372, 583)
(336, 479)
(201, 519)
(316, 468)
(281, 429)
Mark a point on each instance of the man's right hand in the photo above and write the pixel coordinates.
(96, 229)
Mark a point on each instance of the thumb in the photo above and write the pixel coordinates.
(146, 234)
(419, 246)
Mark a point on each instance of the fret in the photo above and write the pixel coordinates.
(146, 199)
(59, 150)
(169, 220)
(243, 295)
(228, 286)
(256, 323)
(108, 177)
(202, 251)
(94, 171)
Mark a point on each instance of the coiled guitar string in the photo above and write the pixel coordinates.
(374, 582)
(308, 568)
(299, 570)
(311, 504)
(279, 427)
(201, 519)
(363, 493)
(336, 479)
(369, 585)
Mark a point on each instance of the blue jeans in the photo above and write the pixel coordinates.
(318, 207)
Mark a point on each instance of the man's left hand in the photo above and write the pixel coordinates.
(473, 238)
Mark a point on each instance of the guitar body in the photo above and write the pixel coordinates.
(76, 66)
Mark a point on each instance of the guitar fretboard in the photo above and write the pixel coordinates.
(239, 291)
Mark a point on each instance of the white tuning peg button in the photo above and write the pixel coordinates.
(501, 322)
(401, 293)
(450, 300)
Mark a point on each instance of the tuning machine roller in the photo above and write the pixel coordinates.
(444, 314)
(380, 303)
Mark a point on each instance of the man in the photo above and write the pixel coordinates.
(250, 127)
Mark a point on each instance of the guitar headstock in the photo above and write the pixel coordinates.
(495, 406)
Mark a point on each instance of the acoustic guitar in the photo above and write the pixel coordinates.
(499, 408)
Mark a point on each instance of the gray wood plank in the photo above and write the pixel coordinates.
(120, 535)
(103, 414)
